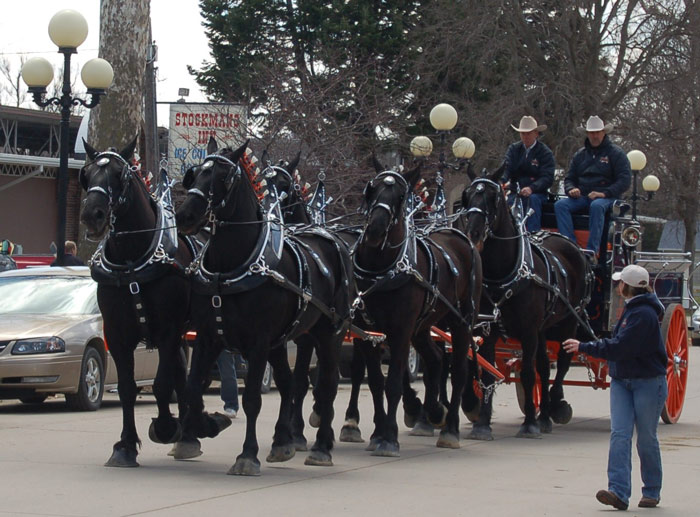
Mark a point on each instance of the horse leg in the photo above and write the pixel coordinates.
(530, 427)
(125, 450)
(444, 375)
(305, 349)
(329, 341)
(481, 428)
(375, 379)
(542, 359)
(350, 431)
(560, 410)
(165, 428)
(247, 463)
(434, 412)
(449, 436)
(412, 406)
(282, 443)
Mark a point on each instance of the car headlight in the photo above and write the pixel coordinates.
(42, 345)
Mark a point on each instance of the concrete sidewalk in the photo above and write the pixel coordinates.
(51, 465)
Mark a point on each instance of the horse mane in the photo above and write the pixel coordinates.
(249, 164)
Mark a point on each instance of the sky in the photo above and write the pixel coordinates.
(176, 27)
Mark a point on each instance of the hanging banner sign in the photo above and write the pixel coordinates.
(191, 125)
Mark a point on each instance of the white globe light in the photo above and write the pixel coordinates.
(651, 183)
(68, 29)
(421, 146)
(97, 74)
(37, 72)
(443, 117)
(463, 147)
(637, 160)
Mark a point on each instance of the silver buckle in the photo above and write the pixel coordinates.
(134, 288)
(216, 301)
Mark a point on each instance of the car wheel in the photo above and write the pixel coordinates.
(33, 399)
(267, 379)
(413, 364)
(90, 384)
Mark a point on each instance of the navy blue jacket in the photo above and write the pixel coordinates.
(536, 171)
(604, 169)
(636, 348)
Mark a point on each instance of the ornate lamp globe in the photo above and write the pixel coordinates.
(97, 74)
(443, 117)
(463, 148)
(651, 183)
(68, 29)
(637, 160)
(37, 73)
(421, 146)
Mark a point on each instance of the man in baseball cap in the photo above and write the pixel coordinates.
(633, 275)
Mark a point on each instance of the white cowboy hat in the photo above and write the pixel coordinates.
(528, 124)
(595, 123)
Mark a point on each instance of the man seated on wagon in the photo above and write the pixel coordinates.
(599, 174)
(530, 166)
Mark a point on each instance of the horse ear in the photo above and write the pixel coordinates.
(413, 175)
(240, 151)
(498, 173)
(212, 147)
(265, 159)
(188, 178)
(293, 164)
(377, 164)
(128, 151)
(82, 177)
(90, 150)
(470, 171)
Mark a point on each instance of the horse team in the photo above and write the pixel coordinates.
(265, 274)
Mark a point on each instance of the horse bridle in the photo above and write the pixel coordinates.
(388, 178)
(102, 160)
(233, 172)
(488, 218)
(270, 172)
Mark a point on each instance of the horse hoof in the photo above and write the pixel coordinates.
(319, 459)
(245, 467)
(280, 453)
(438, 421)
(409, 420)
(422, 429)
(481, 432)
(350, 434)
(300, 444)
(373, 444)
(157, 437)
(387, 449)
(448, 440)
(123, 458)
(562, 412)
(220, 422)
(314, 420)
(545, 425)
(529, 431)
(471, 412)
(187, 449)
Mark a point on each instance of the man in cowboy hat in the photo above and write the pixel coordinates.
(599, 174)
(530, 166)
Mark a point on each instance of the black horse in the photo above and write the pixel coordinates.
(537, 288)
(406, 285)
(142, 291)
(254, 289)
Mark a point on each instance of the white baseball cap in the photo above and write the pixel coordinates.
(633, 275)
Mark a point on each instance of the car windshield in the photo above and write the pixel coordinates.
(48, 295)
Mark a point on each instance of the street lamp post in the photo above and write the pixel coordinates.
(443, 118)
(650, 183)
(68, 30)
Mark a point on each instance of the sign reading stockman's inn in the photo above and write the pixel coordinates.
(191, 125)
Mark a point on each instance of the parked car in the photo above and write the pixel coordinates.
(51, 339)
(414, 364)
(695, 327)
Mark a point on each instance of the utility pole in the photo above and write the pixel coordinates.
(150, 114)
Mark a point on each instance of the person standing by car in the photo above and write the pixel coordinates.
(229, 383)
(637, 360)
(70, 258)
(530, 166)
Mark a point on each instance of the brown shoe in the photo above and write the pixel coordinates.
(607, 497)
(648, 502)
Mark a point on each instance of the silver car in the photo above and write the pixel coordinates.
(51, 339)
(695, 327)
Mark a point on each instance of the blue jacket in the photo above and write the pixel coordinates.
(636, 348)
(603, 169)
(536, 171)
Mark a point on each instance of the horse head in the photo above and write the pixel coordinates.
(385, 197)
(106, 180)
(484, 204)
(282, 178)
(211, 188)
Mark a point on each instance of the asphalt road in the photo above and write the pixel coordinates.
(51, 464)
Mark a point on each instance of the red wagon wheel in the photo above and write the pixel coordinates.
(674, 330)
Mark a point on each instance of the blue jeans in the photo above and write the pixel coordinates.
(596, 213)
(534, 201)
(229, 383)
(635, 403)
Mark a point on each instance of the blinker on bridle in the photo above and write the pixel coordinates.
(389, 178)
(233, 172)
(102, 160)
